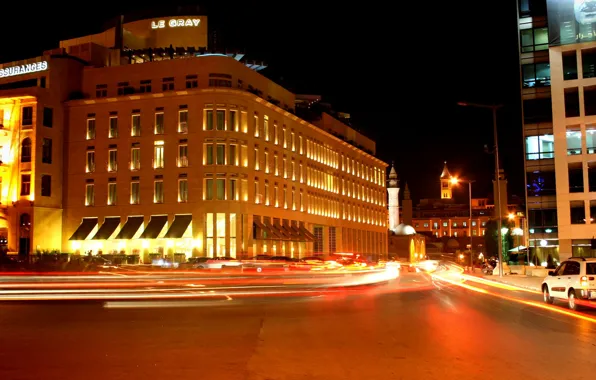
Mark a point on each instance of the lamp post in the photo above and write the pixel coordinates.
(499, 213)
(455, 181)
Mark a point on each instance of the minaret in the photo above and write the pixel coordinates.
(393, 190)
(446, 183)
(407, 207)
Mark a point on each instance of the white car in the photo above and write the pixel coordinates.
(572, 280)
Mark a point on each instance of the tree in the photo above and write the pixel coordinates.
(491, 236)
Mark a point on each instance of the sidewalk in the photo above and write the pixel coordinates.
(528, 282)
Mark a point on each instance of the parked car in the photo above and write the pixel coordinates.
(216, 262)
(574, 279)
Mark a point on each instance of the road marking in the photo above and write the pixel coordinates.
(113, 274)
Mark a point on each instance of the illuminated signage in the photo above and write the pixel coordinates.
(23, 69)
(570, 21)
(175, 23)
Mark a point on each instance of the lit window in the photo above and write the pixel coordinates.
(293, 142)
(540, 147)
(158, 191)
(266, 128)
(135, 193)
(209, 189)
(244, 155)
(135, 158)
(221, 154)
(89, 194)
(90, 129)
(233, 120)
(112, 160)
(221, 120)
(182, 155)
(208, 120)
(208, 155)
(158, 155)
(135, 129)
(183, 121)
(300, 144)
(233, 192)
(220, 190)
(112, 193)
(256, 125)
(233, 155)
(256, 158)
(90, 167)
(275, 135)
(159, 123)
(276, 164)
(266, 158)
(183, 190)
(113, 127)
(244, 121)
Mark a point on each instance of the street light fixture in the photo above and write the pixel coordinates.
(494, 109)
(455, 181)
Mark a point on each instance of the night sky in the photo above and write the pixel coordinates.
(399, 70)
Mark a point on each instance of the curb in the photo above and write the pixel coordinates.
(513, 284)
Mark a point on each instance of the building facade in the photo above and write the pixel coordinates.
(538, 134)
(444, 218)
(176, 151)
(558, 39)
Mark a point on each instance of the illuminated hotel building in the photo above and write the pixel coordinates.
(156, 148)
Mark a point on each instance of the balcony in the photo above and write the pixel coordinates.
(182, 162)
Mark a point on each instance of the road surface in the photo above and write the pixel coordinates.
(423, 333)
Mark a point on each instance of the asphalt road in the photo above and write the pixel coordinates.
(385, 333)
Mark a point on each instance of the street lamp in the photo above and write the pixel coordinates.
(455, 181)
(494, 109)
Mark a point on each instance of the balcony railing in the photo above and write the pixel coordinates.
(182, 162)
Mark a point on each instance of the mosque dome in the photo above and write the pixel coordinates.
(404, 229)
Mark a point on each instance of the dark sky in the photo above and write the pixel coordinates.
(399, 68)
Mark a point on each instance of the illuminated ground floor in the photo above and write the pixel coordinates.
(217, 234)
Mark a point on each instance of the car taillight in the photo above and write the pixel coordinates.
(584, 281)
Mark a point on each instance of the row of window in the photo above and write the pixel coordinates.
(27, 117)
(27, 150)
(167, 84)
(159, 127)
(570, 67)
(221, 188)
(215, 119)
(578, 212)
(46, 185)
(216, 154)
(453, 224)
(135, 191)
(543, 146)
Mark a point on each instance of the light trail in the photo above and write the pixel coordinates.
(175, 287)
(538, 305)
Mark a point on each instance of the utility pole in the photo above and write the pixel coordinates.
(498, 211)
